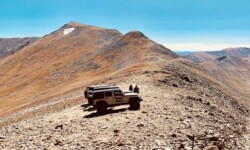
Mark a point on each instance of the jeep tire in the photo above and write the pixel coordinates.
(134, 104)
(102, 108)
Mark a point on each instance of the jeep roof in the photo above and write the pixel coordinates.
(101, 87)
(107, 90)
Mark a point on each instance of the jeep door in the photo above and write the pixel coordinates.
(118, 97)
(98, 96)
(109, 97)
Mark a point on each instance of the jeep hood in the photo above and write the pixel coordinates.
(131, 94)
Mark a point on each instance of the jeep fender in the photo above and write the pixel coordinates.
(135, 98)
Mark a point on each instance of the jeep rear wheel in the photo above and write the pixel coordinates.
(102, 108)
(134, 104)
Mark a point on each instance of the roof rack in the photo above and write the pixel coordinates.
(102, 87)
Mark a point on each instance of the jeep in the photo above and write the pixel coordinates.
(101, 99)
(88, 93)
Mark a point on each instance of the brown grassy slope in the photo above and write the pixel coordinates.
(233, 72)
(58, 63)
(200, 57)
(231, 66)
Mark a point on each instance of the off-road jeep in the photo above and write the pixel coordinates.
(88, 93)
(104, 98)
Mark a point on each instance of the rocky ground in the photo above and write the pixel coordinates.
(181, 110)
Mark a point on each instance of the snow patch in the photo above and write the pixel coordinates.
(9, 50)
(67, 31)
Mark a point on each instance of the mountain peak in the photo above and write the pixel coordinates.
(74, 24)
(135, 34)
(79, 25)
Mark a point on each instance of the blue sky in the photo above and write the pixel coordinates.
(177, 24)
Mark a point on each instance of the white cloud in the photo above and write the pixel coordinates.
(201, 46)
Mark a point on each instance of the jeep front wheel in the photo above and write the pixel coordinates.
(102, 108)
(134, 104)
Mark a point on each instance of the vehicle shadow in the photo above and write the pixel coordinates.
(84, 105)
(89, 109)
(110, 111)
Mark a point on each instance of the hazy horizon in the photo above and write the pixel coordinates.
(198, 47)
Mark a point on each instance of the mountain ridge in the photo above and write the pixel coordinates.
(57, 62)
(210, 55)
(9, 46)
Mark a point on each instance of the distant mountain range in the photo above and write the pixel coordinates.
(11, 45)
(231, 65)
(211, 55)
